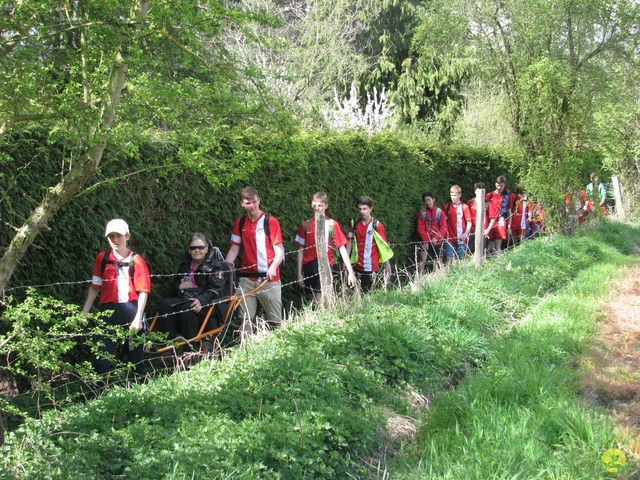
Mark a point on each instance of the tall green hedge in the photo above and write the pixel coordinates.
(164, 205)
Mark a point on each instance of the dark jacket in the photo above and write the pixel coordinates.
(213, 277)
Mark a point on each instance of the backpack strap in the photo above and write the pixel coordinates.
(130, 263)
(354, 222)
(437, 219)
(266, 224)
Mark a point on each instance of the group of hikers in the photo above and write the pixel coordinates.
(510, 218)
(596, 196)
(122, 279)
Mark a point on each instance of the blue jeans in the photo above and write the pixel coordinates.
(455, 249)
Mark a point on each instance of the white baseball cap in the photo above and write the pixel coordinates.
(116, 225)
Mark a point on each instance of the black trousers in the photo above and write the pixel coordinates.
(133, 349)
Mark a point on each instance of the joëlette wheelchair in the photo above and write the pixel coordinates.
(218, 318)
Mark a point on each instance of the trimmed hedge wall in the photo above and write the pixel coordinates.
(164, 206)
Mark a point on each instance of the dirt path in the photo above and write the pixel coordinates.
(610, 370)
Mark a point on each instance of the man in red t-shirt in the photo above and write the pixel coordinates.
(308, 274)
(432, 229)
(361, 238)
(458, 225)
(121, 277)
(499, 206)
(259, 237)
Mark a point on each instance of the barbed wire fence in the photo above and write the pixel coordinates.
(403, 274)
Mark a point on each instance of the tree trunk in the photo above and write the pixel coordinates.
(73, 181)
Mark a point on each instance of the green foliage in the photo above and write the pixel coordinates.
(564, 84)
(164, 202)
(434, 73)
(45, 344)
(312, 400)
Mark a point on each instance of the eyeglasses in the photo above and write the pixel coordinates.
(196, 247)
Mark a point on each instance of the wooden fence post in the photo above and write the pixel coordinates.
(617, 191)
(324, 269)
(478, 254)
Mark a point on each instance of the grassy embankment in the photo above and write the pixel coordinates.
(470, 376)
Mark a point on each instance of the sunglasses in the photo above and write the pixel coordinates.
(196, 247)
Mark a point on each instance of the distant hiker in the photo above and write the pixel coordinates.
(459, 221)
(432, 229)
(472, 207)
(259, 237)
(308, 273)
(499, 206)
(596, 191)
(520, 216)
(368, 247)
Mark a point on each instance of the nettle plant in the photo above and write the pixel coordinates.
(348, 114)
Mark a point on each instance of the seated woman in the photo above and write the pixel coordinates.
(202, 279)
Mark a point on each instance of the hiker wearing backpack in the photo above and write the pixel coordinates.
(537, 217)
(259, 237)
(598, 197)
(520, 217)
(368, 246)
(458, 226)
(499, 207)
(308, 274)
(432, 229)
(121, 277)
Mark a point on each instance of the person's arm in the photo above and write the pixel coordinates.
(422, 229)
(492, 222)
(278, 251)
(136, 324)
(351, 237)
(300, 277)
(351, 279)
(443, 229)
(232, 254)
(91, 297)
(467, 231)
(387, 268)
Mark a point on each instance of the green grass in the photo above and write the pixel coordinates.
(494, 350)
(522, 415)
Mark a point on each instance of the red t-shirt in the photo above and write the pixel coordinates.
(307, 240)
(494, 203)
(520, 213)
(430, 226)
(257, 252)
(457, 218)
(114, 283)
(368, 254)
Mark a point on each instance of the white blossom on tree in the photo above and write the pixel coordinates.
(348, 114)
